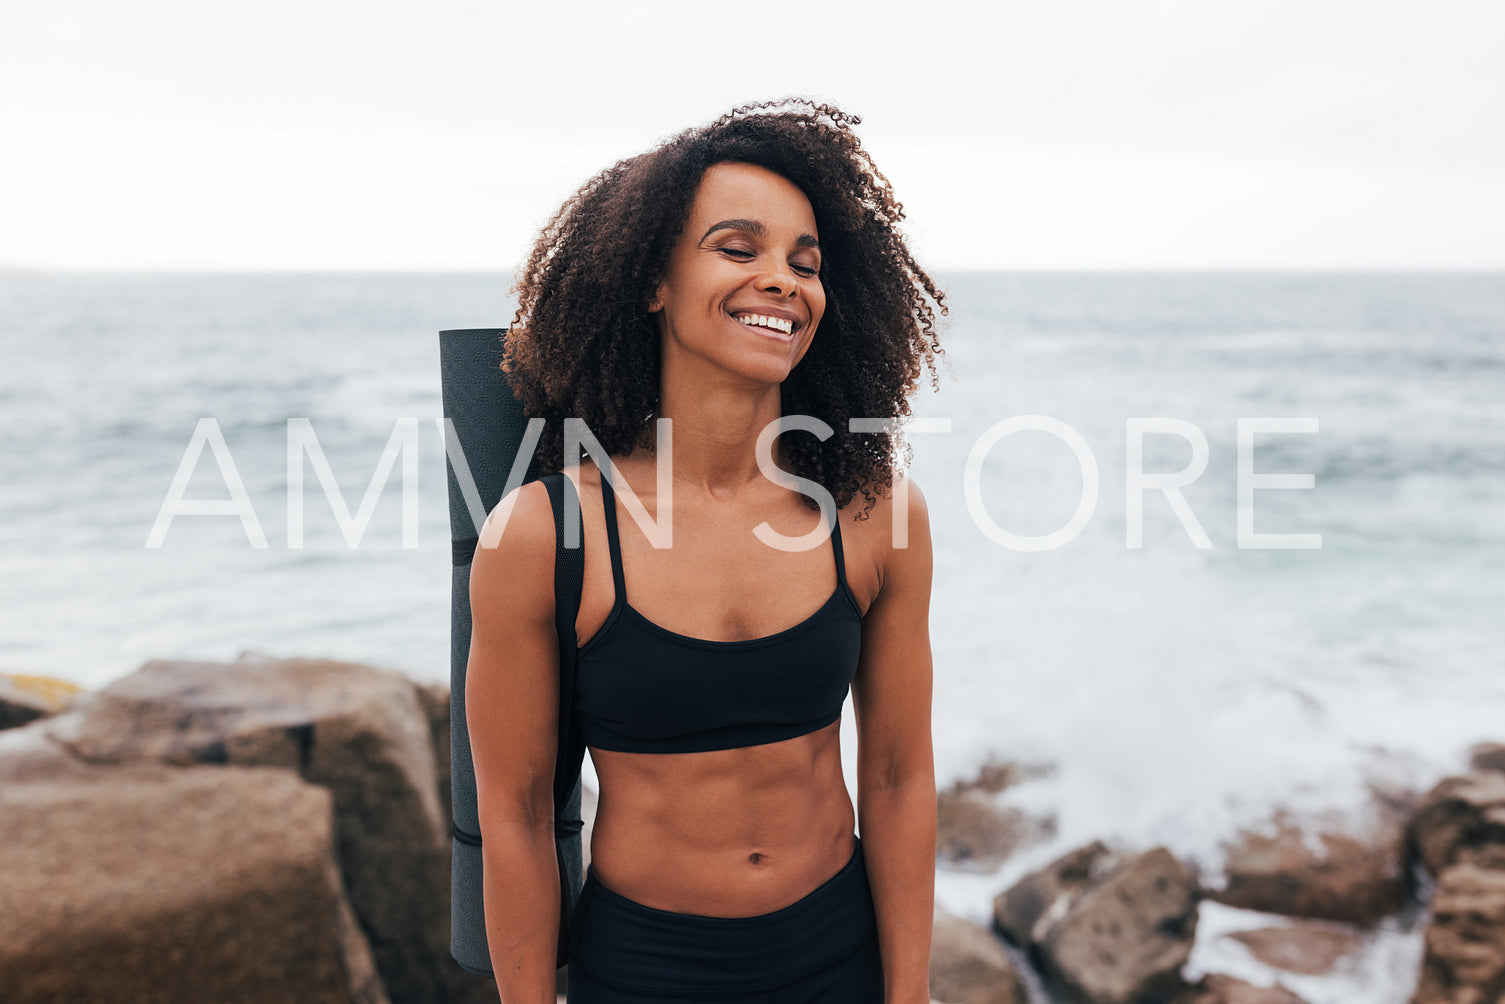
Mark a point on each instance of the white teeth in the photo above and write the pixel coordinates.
(763, 321)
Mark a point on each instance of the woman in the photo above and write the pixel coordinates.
(742, 272)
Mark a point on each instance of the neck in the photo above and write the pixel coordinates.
(715, 434)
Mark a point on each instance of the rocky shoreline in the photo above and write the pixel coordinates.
(1102, 925)
(277, 830)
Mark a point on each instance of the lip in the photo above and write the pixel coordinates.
(796, 324)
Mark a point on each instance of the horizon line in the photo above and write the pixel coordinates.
(7, 270)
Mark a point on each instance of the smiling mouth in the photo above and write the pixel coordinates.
(769, 325)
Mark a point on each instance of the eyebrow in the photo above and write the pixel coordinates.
(757, 229)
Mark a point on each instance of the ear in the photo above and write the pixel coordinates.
(656, 302)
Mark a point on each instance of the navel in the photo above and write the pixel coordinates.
(755, 858)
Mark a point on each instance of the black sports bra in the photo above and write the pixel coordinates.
(641, 688)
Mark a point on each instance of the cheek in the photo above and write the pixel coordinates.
(817, 301)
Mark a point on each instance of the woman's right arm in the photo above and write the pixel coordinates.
(512, 711)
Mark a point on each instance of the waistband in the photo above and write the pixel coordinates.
(623, 942)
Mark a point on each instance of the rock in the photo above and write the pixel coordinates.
(1464, 961)
(1462, 817)
(969, 966)
(1218, 989)
(26, 698)
(1127, 937)
(975, 834)
(1105, 928)
(994, 776)
(1044, 895)
(1487, 756)
(1300, 947)
(175, 885)
(1319, 871)
(360, 732)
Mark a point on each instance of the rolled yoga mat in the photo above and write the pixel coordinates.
(484, 429)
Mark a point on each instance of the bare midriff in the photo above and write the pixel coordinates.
(723, 833)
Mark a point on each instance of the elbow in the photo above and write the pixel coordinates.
(901, 770)
(511, 840)
(908, 786)
(909, 793)
(518, 812)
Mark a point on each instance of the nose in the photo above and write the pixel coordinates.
(779, 281)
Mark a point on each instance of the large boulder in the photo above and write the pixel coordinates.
(1462, 817)
(361, 732)
(1128, 935)
(25, 698)
(1107, 928)
(1024, 912)
(969, 966)
(1321, 870)
(143, 882)
(1465, 942)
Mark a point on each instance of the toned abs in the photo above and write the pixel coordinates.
(751, 829)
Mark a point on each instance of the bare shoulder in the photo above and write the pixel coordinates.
(908, 554)
(905, 495)
(512, 572)
(891, 541)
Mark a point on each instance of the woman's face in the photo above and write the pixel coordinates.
(742, 289)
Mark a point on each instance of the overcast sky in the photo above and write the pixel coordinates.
(385, 134)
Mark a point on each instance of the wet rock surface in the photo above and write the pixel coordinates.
(1465, 942)
(1462, 817)
(1106, 928)
(1026, 910)
(1459, 835)
(1317, 870)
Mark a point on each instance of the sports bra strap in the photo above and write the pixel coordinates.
(841, 561)
(609, 503)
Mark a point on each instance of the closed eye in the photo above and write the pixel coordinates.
(742, 254)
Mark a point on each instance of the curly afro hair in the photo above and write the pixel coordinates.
(583, 343)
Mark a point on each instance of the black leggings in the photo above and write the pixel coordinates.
(822, 949)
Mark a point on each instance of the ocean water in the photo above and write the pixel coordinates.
(1176, 692)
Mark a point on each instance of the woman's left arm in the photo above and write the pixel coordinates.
(896, 802)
